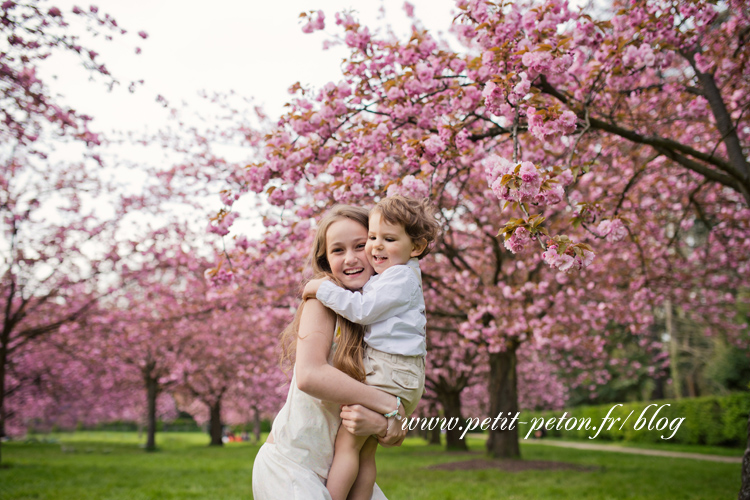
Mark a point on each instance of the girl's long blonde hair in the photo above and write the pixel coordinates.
(350, 340)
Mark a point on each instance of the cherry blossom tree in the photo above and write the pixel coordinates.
(52, 383)
(56, 248)
(143, 325)
(548, 121)
(230, 369)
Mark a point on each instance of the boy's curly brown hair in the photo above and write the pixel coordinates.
(416, 215)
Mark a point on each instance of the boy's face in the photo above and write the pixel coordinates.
(388, 244)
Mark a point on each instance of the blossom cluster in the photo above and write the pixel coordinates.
(513, 182)
(568, 260)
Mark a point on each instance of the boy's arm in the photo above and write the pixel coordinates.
(392, 294)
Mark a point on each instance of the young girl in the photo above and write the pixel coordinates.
(392, 305)
(294, 461)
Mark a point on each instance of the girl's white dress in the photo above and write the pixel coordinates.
(295, 466)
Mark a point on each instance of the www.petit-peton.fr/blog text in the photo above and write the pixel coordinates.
(648, 420)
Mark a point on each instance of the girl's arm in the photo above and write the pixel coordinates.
(321, 380)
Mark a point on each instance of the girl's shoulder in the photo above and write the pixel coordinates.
(313, 307)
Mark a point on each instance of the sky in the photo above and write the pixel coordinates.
(255, 48)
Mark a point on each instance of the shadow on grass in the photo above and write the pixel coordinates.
(508, 465)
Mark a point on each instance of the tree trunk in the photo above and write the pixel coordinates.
(215, 424)
(451, 402)
(658, 392)
(433, 436)
(256, 424)
(674, 351)
(3, 360)
(152, 391)
(691, 385)
(503, 399)
(745, 488)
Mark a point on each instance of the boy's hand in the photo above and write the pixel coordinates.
(395, 432)
(311, 288)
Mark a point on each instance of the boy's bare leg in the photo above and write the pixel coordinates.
(362, 488)
(345, 464)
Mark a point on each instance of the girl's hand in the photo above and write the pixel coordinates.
(362, 421)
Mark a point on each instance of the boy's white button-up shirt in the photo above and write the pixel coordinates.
(391, 304)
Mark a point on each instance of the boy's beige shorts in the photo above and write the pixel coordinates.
(398, 375)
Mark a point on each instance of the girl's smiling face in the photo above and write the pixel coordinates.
(345, 251)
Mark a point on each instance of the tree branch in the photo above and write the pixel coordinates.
(654, 141)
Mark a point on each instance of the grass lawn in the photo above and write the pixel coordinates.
(109, 465)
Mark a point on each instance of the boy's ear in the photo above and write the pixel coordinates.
(418, 247)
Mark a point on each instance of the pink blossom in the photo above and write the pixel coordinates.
(565, 263)
(462, 140)
(703, 64)
(357, 190)
(551, 196)
(567, 122)
(537, 125)
(424, 71)
(565, 178)
(54, 12)
(524, 187)
(494, 97)
(223, 223)
(495, 168)
(409, 9)
(395, 93)
(457, 65)
(551, 256)
(631, 56)
(649, 59)
(537, 62)
(588, 258)
(612, 229)
(143, 34)
(413, 87)
(518, 240)
(410, 186)
(434, 146)
(531, 181)
(561, 64)
(319, 22)
(522, 87)
(316, 22)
